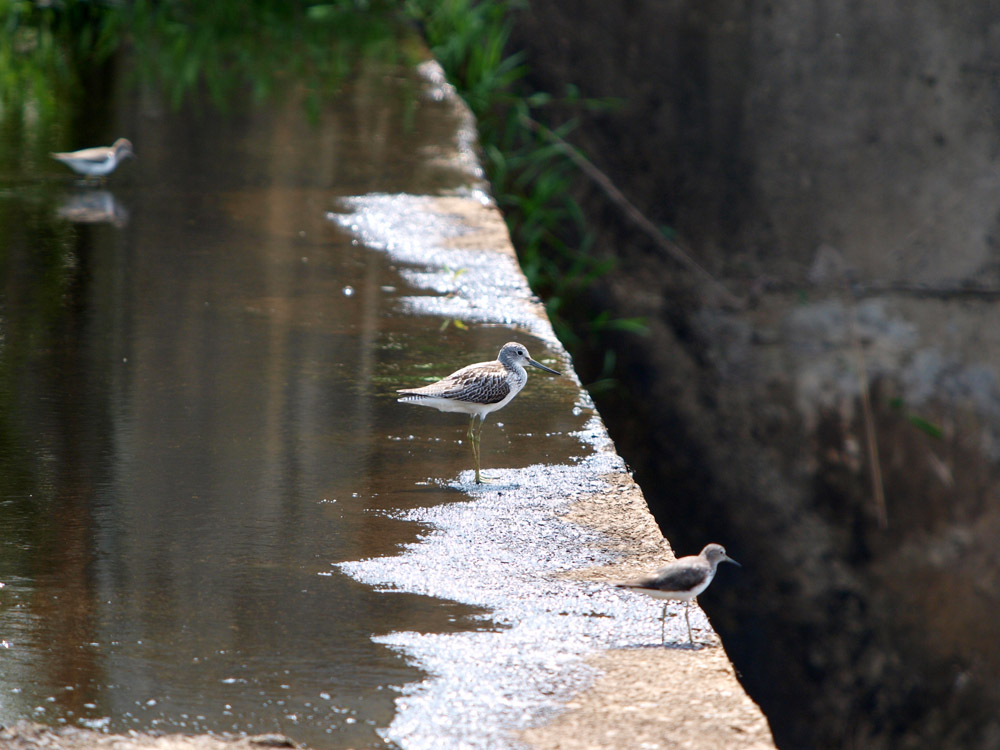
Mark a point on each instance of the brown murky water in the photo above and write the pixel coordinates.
(196, 419)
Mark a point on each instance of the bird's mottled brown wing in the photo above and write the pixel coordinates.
(483, 387)
(484, 383)
(674, 577)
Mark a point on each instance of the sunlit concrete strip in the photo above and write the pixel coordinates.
(576, 662)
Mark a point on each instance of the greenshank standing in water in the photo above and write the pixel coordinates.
(682, 580)
(477, 390)
(96, 162)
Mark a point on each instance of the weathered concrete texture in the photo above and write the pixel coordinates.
(835, 166)
(762, 131)
(652, 697)
(659, 698)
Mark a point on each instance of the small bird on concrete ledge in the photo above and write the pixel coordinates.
(682, 580)
(96, 162)
(477, 390)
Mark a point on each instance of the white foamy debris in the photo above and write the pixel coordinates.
(472, 285)
(464, 147)
(499, 552)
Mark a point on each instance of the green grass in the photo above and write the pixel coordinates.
(228, 48)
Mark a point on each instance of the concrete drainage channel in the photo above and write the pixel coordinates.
(574, 662)
(571, 662)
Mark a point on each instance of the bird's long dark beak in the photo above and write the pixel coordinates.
(727, 558)
(542, 367)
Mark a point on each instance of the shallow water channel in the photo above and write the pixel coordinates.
(197, 420)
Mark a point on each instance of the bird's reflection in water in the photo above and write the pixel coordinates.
(93, 207)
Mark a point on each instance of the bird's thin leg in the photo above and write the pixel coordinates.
(475, 445)
(687, 618)
(479, 453)
(663, 626)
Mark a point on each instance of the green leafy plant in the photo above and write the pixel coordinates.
(921, 423)
(229, 49)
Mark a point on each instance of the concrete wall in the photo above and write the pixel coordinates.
(835, 166)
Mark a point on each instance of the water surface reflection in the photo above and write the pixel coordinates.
(195, 419)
